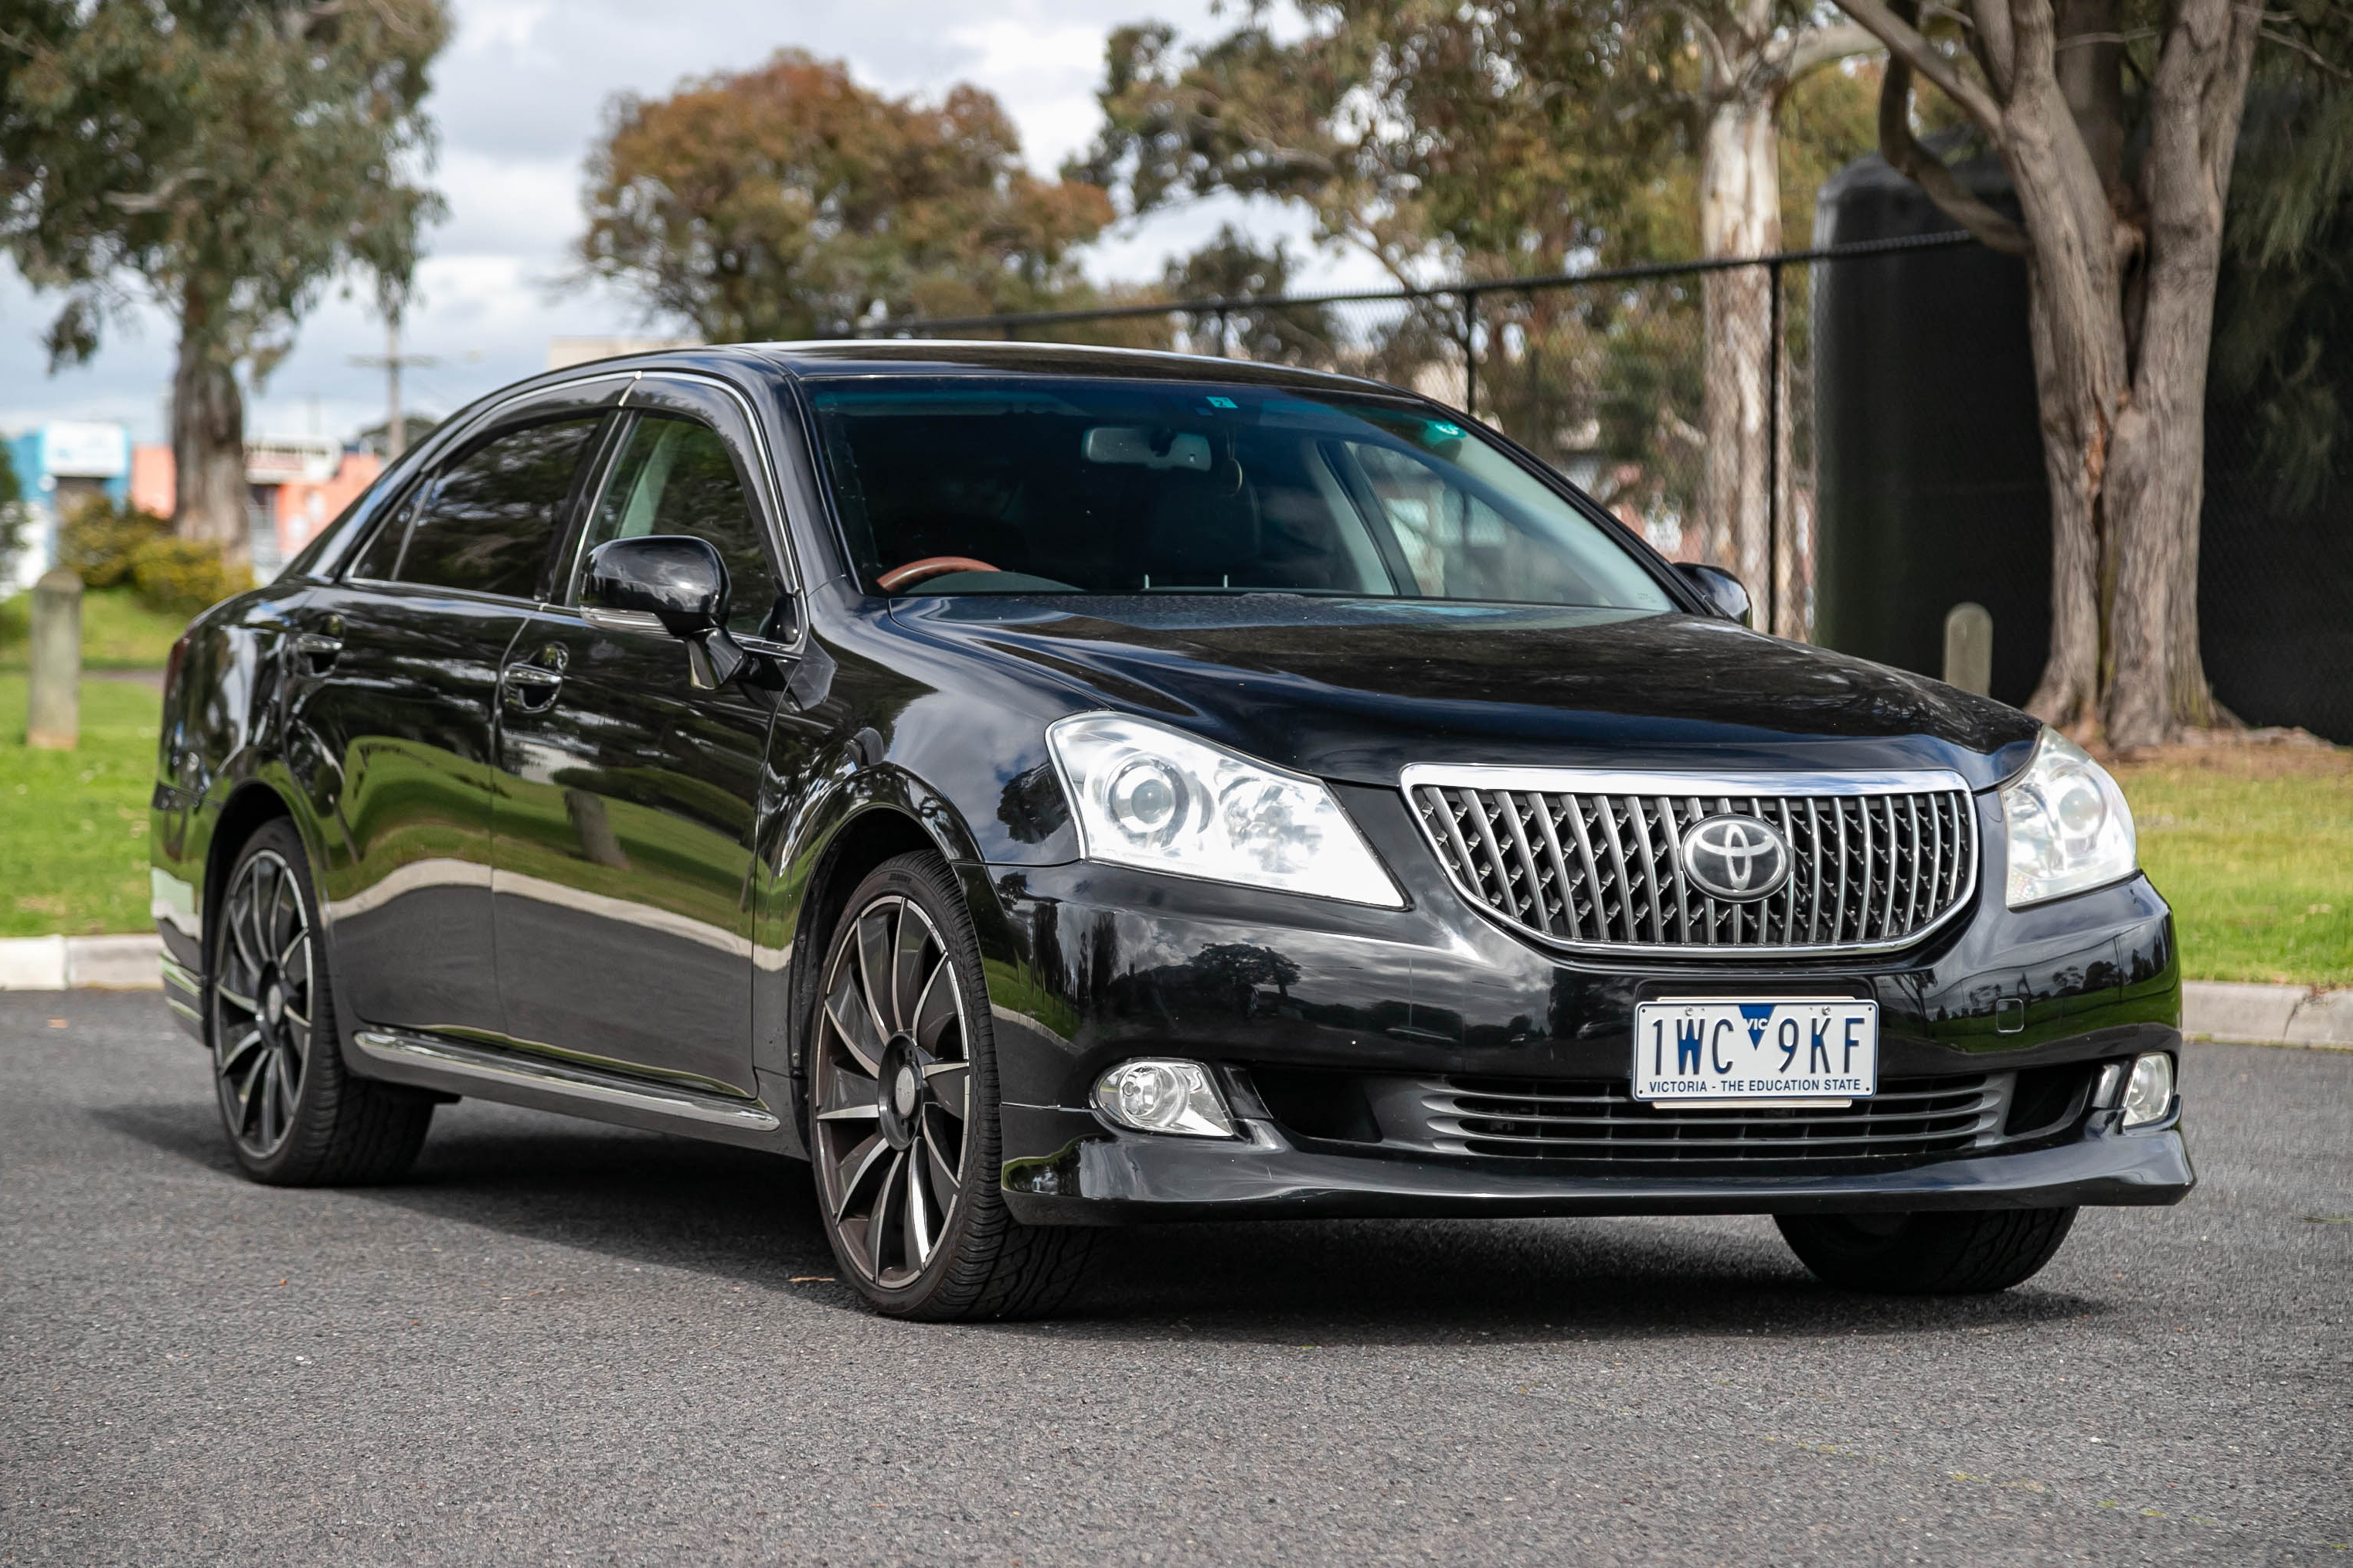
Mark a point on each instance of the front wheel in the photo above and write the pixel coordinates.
(902, 1085)
(1959, 1253)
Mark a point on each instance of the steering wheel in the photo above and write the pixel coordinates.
(914, 572)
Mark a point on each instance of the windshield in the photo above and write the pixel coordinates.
(980, 484)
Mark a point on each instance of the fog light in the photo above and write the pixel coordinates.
(2149, 1093)
(1154, 1096)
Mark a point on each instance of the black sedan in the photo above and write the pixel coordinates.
(1046, 788)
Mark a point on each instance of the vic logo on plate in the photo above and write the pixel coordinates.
(1739, 858)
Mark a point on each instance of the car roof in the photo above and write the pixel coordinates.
(921, 356)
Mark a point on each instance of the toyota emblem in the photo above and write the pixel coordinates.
(1736, 858)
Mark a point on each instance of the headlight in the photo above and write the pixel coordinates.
(1151, 797)
(2069, 826)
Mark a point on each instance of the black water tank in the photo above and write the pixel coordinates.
(1928, 459)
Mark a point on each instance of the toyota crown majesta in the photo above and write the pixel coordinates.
(1047, 787)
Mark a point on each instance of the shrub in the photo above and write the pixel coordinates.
(181, 576)
(100, 540)
(108, 546)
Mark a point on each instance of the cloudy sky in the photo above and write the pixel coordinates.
(518, 97)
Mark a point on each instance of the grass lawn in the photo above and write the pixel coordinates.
(73, 824)
(118, 632)
(2252, 846)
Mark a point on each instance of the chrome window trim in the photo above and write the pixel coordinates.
(1579, 780)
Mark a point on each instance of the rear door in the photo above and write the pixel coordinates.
(626, 816)
(392, 678)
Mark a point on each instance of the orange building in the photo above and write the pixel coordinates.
(297, 485)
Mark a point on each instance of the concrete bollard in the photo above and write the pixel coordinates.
(1969, 648)
(54, 721)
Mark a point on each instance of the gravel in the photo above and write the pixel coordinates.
(561, 1341)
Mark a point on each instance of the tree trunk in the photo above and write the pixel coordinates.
(2122, 276)
(209, 493)
(2160, 683)
(1739, 214)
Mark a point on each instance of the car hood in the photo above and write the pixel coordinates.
(1355, 690)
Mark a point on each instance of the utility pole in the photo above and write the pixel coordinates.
(396, 433)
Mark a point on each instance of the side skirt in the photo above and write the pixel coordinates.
(432, 1062)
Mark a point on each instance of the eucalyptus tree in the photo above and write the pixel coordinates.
(225, 159)
(2119, 123)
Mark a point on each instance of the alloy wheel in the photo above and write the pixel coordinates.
(891, 1091)
(262, 1019)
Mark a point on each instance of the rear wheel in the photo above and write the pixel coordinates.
(902, 1083)
(1927, 1254)
(294, 1116)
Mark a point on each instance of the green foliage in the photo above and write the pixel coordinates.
(99, 540)
(110, 545)
(1229, 267)
(788, 202)
(2283, 317)
(12, 515)
(1492, 141)
(224, 158)
(230, 154)
(181, 576)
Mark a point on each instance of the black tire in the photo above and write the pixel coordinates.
(922, 1040)
(1959, 1253)
(295, 1115)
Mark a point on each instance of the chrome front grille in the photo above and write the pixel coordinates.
(1599, 1122)
(1593, 862)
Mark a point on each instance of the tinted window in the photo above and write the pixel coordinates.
(487, 522)
(676, 476)
(1099, 486)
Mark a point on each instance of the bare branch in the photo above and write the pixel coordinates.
(1993, 228)
(1817, 46)
(156, 200)
(1905, 43)
(2309, 53)
(1995, 43)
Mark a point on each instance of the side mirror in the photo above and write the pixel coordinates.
(680, 582)
(1720, 589)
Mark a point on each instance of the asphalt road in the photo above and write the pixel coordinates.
(562, 1342)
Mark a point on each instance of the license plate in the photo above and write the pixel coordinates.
(1815, 1051)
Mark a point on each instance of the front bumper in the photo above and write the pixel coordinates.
(1122, 1178)
(1090, 964)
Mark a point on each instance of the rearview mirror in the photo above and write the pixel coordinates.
(1719, 588)
(680, 582)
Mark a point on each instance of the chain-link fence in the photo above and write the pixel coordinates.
(1685, 397)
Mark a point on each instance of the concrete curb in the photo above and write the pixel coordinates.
(82, 963)
(2211, 1009)
(2267, 1014)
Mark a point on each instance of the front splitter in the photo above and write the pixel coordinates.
(1127, 1179)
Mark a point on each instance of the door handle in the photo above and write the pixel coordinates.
(528, 687)
(319, 653)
